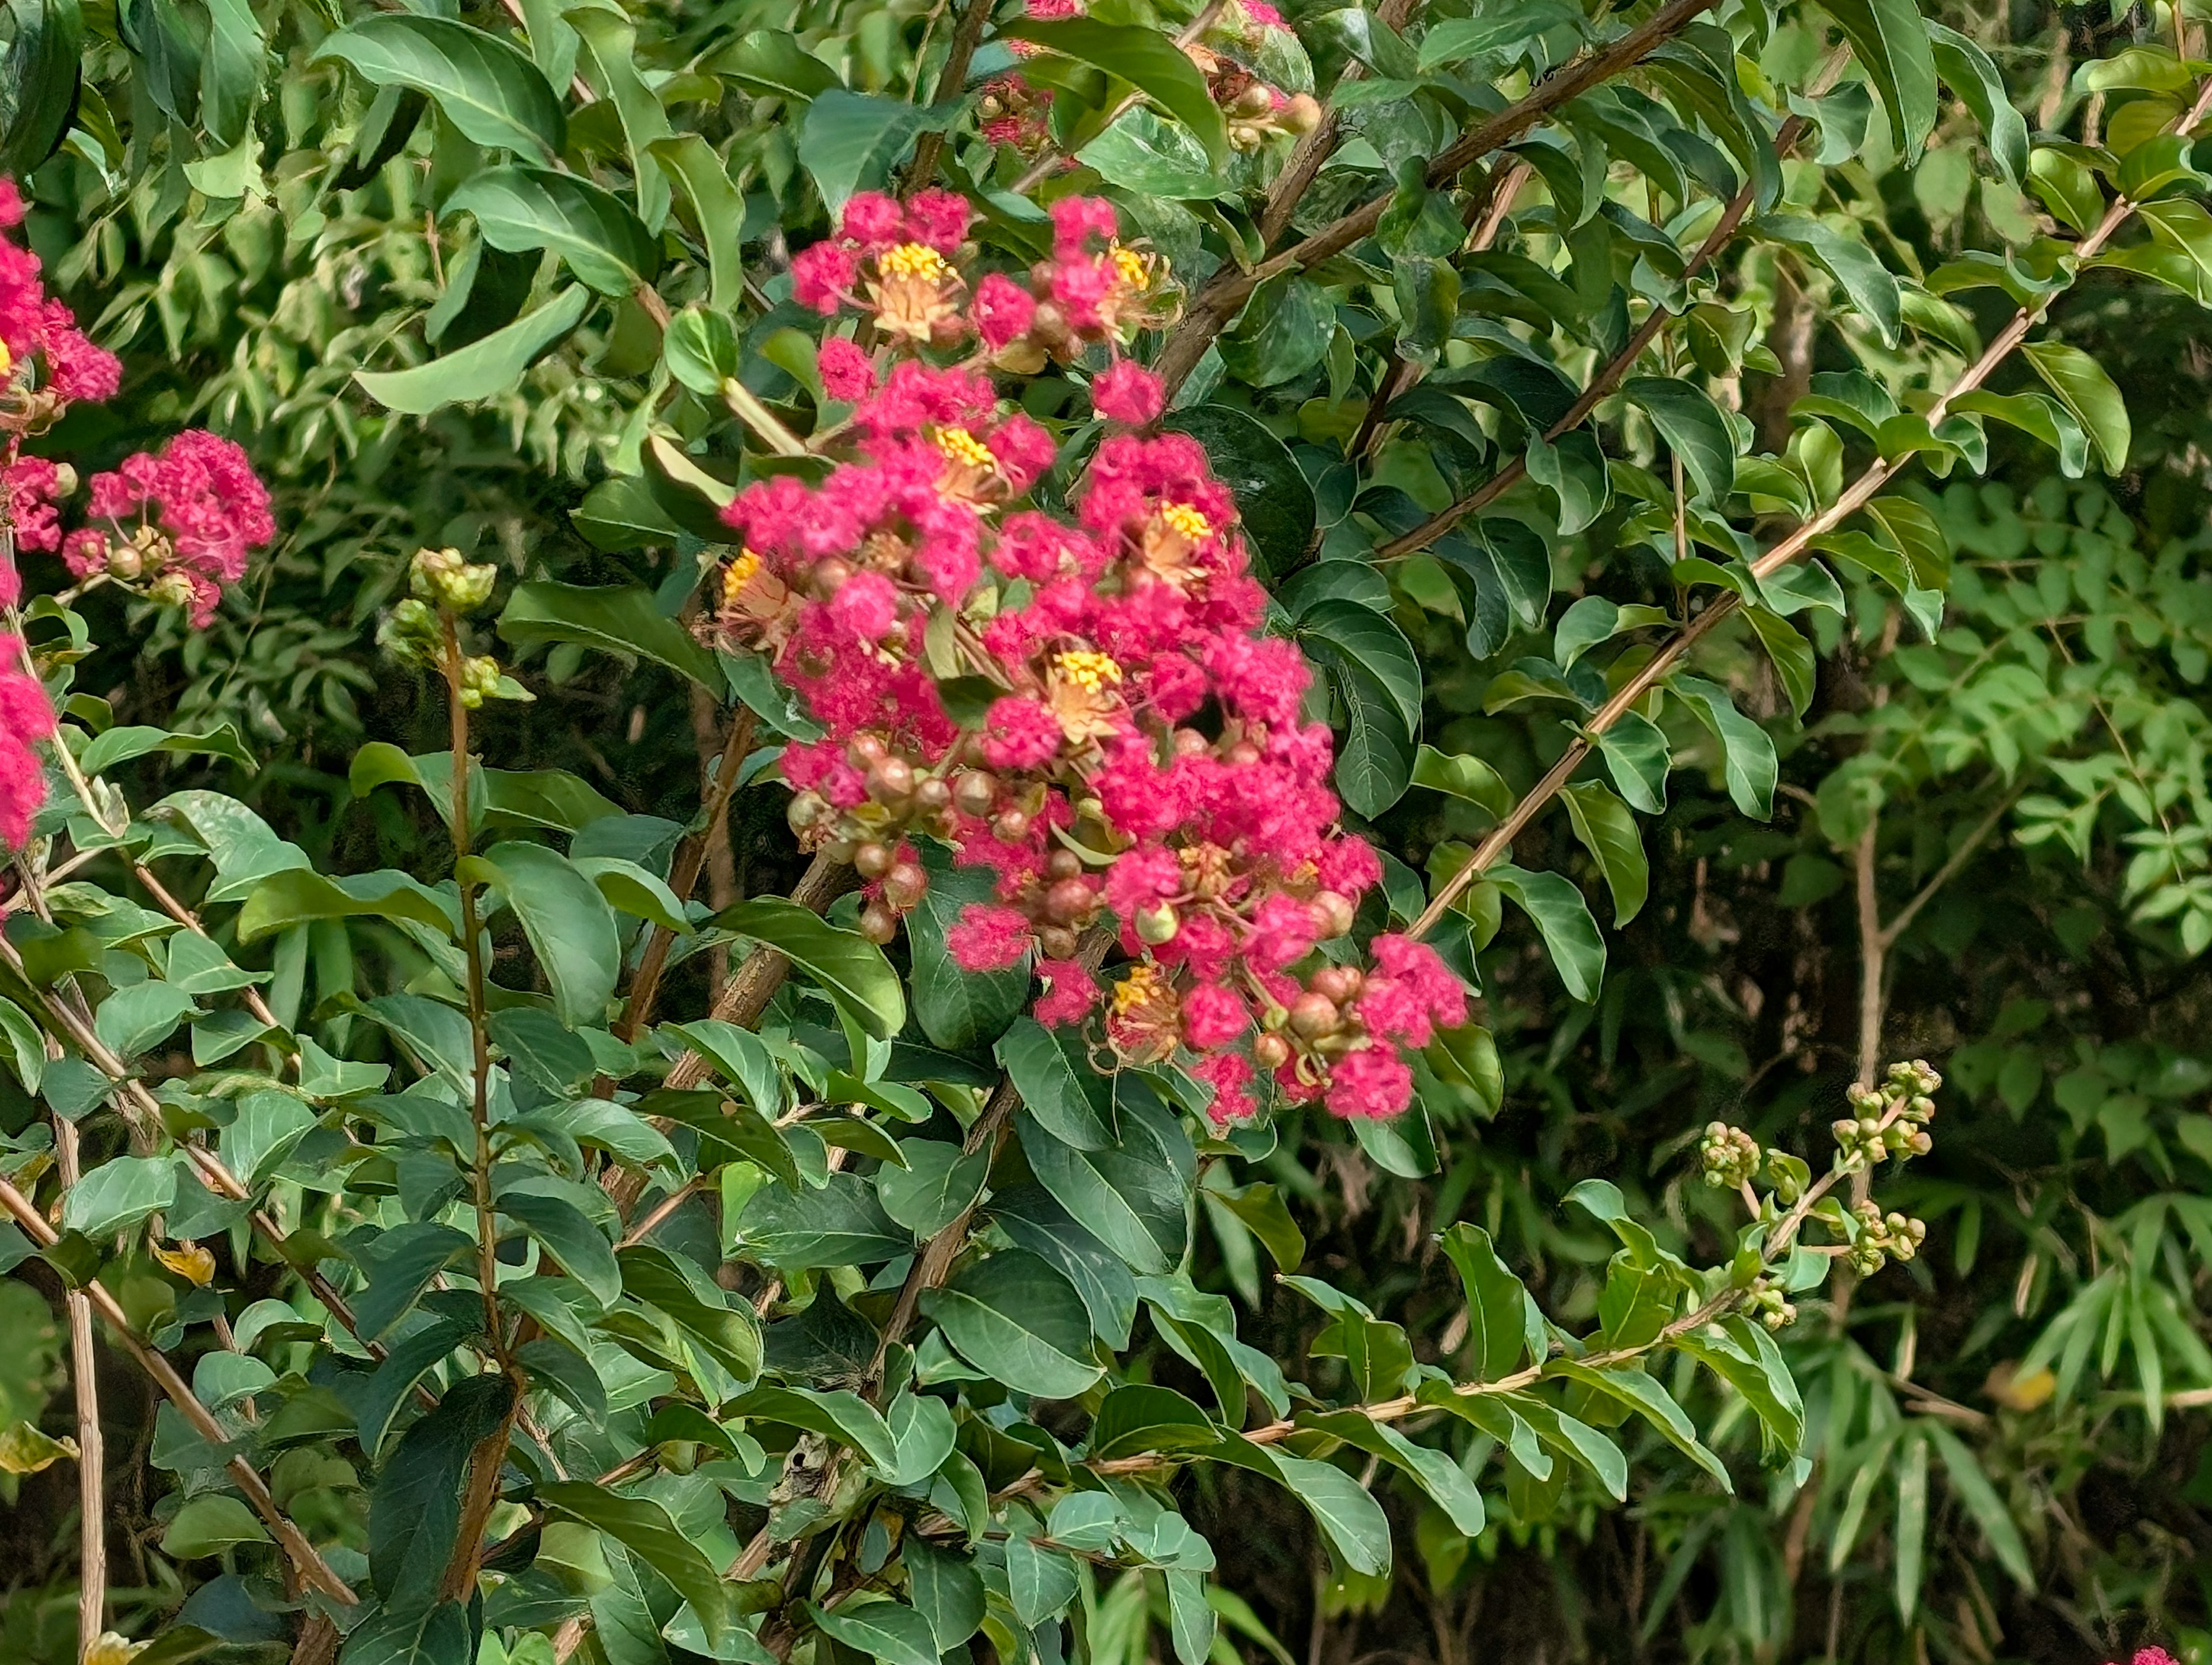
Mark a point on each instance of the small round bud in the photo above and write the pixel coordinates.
(1157, 924)
(1069, 901)
(1189, 743)
(867, 748)
(1340, 983)
(1271, 1052)
(878, 923)
(932, 796)
(974, 793)
(1063, 864)
(905, 884)
(872, 859)
(1301, 115)
(1058, 942)
(890, 779)
(829, 576)
(1314, 1015)
(1010, 826)
(1332, 914)
(124, 561)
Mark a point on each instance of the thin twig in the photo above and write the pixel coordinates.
(91, 1447)
(303, 1554)
(950, 82)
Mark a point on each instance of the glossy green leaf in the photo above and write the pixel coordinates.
(484, 86)
(486, 367)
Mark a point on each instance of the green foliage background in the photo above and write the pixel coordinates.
(2023, 795)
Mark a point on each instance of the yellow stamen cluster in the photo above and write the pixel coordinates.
(739, 573)
(1131, 266)
(1089, 671)
(913, 260)
(1142, 986)
(961, 446)
(1189, 522)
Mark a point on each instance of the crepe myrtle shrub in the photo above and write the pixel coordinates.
(737, 1327)
(498, 1312)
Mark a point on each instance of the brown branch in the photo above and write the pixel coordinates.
(698, 851)
(1854, 498)
(1052, 156)
(950, 82)
(1303, 165)
(91, 1446)
(1224, 295)
(303, 1554)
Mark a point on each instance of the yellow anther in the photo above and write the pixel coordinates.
(961, 446)
(1183, 518)
(1087, 670)
(739, 573)
(1131, 266)
(1142, 986)
(915, 260)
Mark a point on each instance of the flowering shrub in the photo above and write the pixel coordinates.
(1083, 651)
(542, 1249)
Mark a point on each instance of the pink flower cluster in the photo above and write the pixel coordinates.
(48, 363)
(183, 518)
(26, 717)
(1081, 704)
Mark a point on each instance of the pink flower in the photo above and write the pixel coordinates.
(1282, 932)
(866, 604)
(26, 716)
(2154, 1657)
(1053, 10)
(848, 373)
(29, 485)
(1411, 994)
(1003, 311)
(988, 938)
(1374, 1082)
(938, 219)
(823, 275)
(1141, 878)
(1069, 993)
(1076, 221)
(1213, 1016)
(1263, 14)
(871, 220)
(1128, 392)
(1230, 1075)
(1019, 734)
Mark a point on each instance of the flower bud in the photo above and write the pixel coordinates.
(1332, 914)
(878, 923)
(890, 779)
(1313, 1015)
(173, 589)
(1011, 826)
(1157, 924)
(1301, 115)
(1340, 983)
(1069, 901)
(807, 810)
(1063, 864)
(873, 858)
(1271, 1052)
(124, 561)
(905, 884)
(830, 575)
(974, 792)
(931, 795)
(1058, 942)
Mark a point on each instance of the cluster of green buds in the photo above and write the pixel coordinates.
(443, 585)
(1767, 1303)
(1890, 1121)
(1729, 1156)
(1882, 1237)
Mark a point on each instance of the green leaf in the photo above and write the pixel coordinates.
(1051, 1070)
(1351, 1520)
(883, 1629)
(1040, 1582)
(566, 1233)
(771, 63)
(1593, 620)
(1464, 776)
(1141, 1418)
(610, 42)
(1970, 73)
(1865, 281)
(962, 1011)
(139, 1016)
(1132, 1197)
(1693, 428)
(1141, 152)
(122, 744)
(414, 1510)
(727, 1334)
(1275, 504)
(938, 1184)
(841, 1224)
(1892, 42)
(489, 90)
(297, 896)
(1973, 1489)
(1631, 1385)
(1570, 935)
(717, 212)
(1609, 833)
(847, 964)
(2088, 394)
(843, 1416)
(210, 1524)
(848, 142)
(646, 1529)
(119, 1193)
(1263, 1213)
(1375, 671)
(1637, 758)
(2039, 416)
(262, 1134)
(1574, 468)
(1911, 1524)
(1145, 57)
(617, 619)
(486, 367)
(520, 209)
(1795, 665)
(570, 928)
(1748, 763)
(1497, 1302)
(38, 82)
(412, 1635)
(1282, 332)
(1014, 1316)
